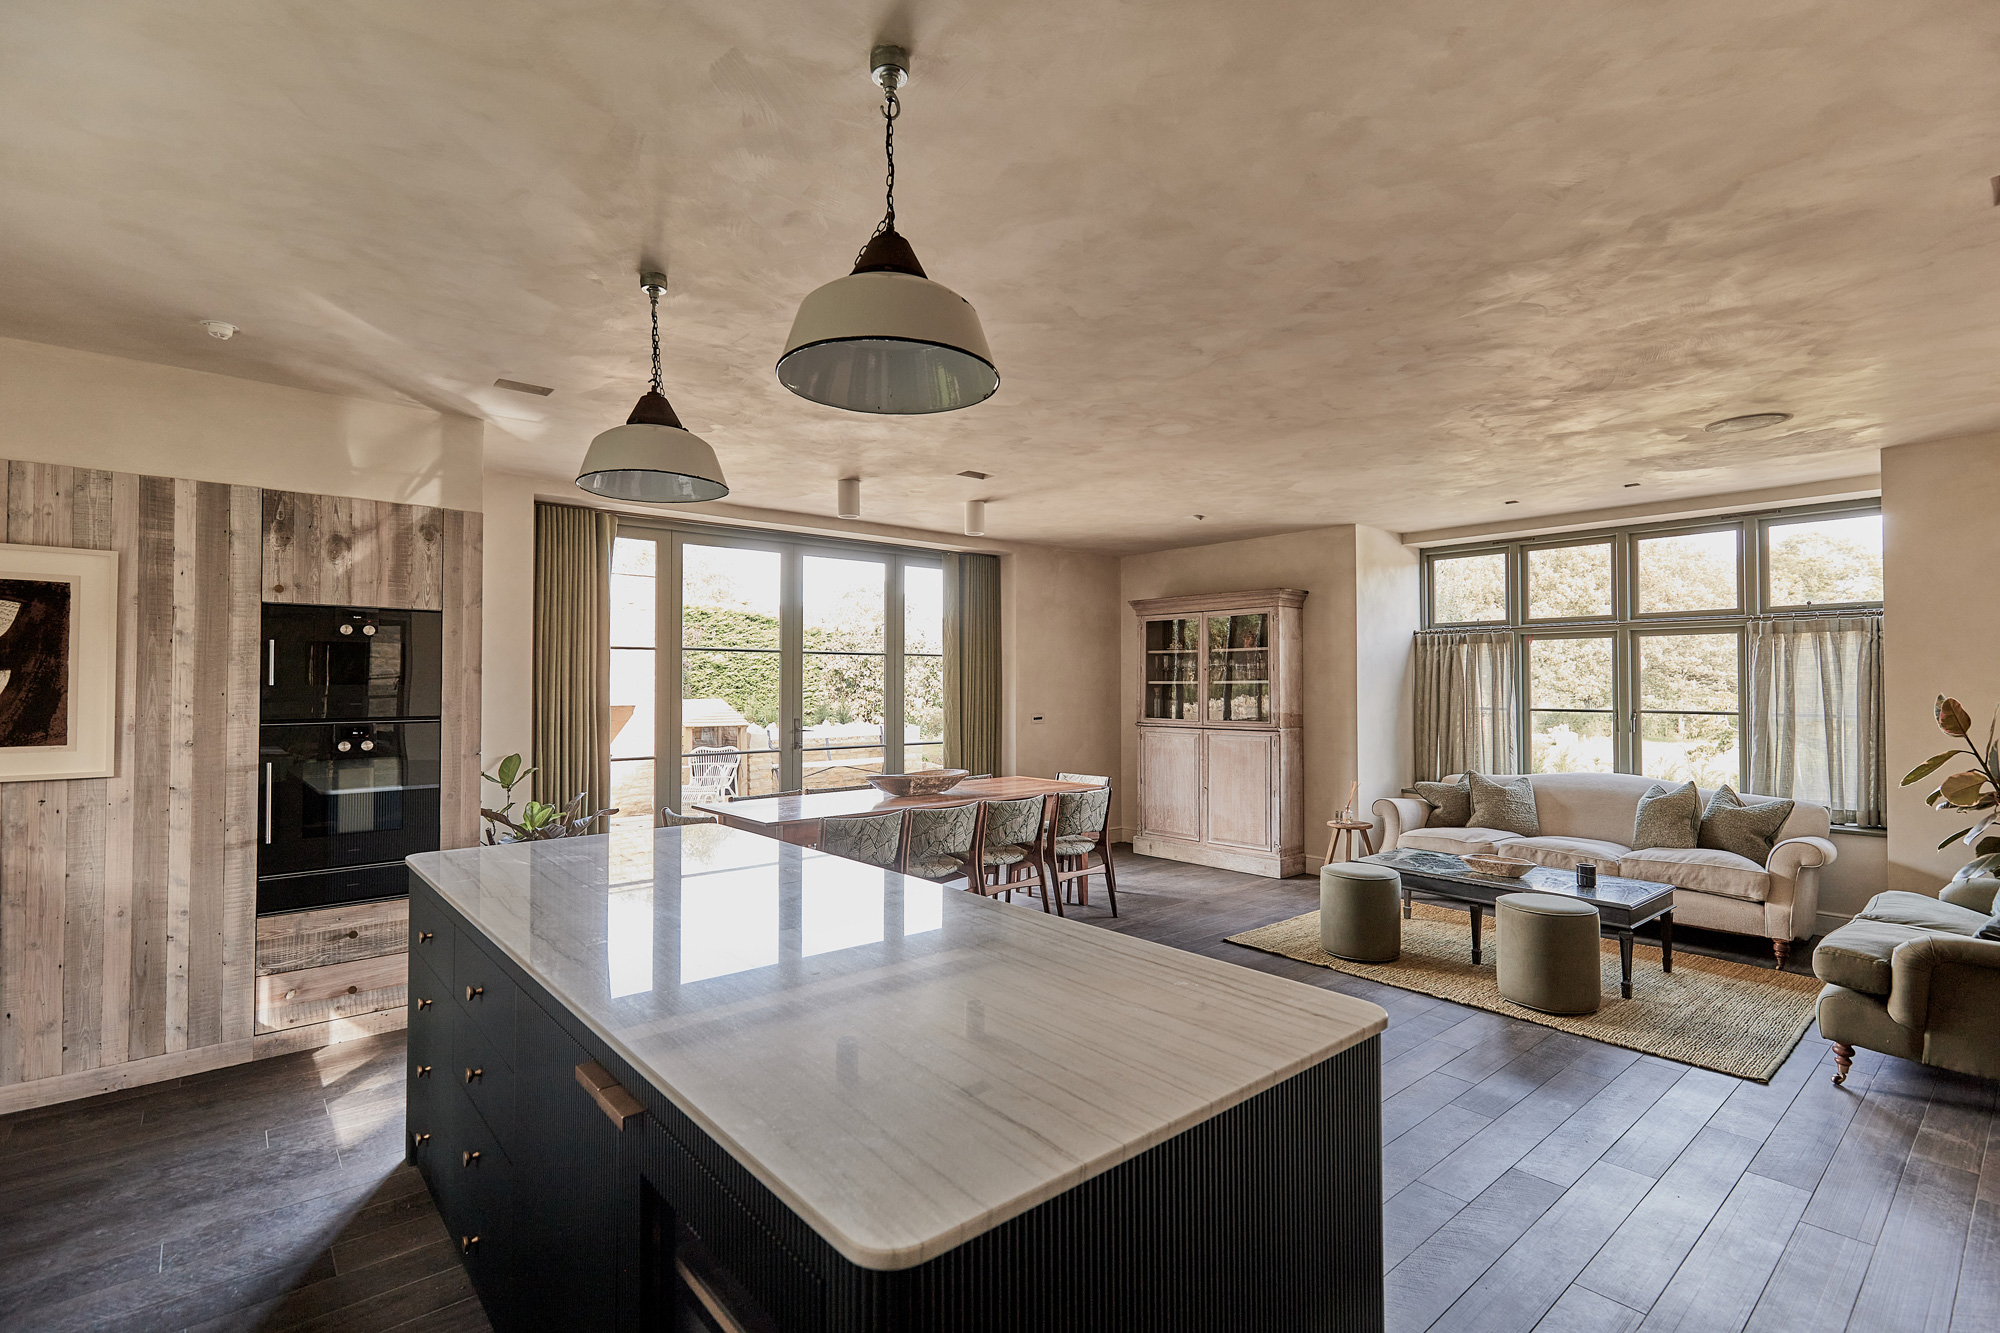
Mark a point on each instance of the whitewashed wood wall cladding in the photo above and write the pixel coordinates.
(128, 930)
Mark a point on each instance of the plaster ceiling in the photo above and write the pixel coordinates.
(1285, 265)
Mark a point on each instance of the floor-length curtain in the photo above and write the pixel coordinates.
(972, 662)
(1467, 704)
(1815, 713)
(573, 654)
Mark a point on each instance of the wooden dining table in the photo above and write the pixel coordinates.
(795, 819)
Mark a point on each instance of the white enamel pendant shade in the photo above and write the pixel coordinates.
(652, 459)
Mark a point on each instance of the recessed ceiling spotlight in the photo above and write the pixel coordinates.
(976, 476)
(218, 329)
(518, 387)
(1752, 421)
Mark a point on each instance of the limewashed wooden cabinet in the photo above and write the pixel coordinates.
(1221, 765)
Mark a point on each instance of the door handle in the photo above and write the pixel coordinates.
(267, 804)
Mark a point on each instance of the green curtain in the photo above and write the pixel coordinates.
(972, 662)
(573, 654)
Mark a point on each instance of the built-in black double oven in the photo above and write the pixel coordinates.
(348, 757)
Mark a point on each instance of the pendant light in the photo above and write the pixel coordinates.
(652, 458)
(885, 338)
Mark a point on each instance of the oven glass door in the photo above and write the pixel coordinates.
(346, 794)
(334, 662)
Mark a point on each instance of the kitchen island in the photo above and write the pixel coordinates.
(697, 1074)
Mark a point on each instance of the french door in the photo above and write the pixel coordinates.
(744, 666)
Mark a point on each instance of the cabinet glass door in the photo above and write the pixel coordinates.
(1239, 668)
(1173, 669)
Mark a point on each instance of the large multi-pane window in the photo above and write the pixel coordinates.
(744, 666)
(1631, 644)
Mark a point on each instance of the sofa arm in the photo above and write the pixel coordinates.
(1916, 963)
(1794, 854)
(1400, 814)
(1976, 893)
(1791, 910)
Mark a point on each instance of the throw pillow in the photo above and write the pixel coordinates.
(1991, 930)
(1450, 802)
(1728, 825)
(1506, 804)
(1667, 817)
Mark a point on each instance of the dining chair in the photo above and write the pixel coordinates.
(941, 841)
(1091, 778)
(1082, 826)
(668, 819)
(1011, 843)
(875, 840)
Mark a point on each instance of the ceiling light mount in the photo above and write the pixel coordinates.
(889, 67)
(652, 458)
(1749, 421)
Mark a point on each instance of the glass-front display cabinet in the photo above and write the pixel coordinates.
(1219, 741)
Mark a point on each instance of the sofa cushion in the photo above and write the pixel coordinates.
(1564, 853)
(1748, 830)
(1921, 911)
(1450, 802)
(1667, 817)
(1702, 869)
(1857, 955)
(1504, 803)
(1456, 841)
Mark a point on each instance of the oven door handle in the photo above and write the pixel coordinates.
(267, 804)
(271, 658)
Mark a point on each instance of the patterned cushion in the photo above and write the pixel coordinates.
(942, 867)
(1075, 846)
(871, 839)
(1014, 823)
(1450, 802)
(1728, 825)
(1005, 855)
(1082, 811)
(941, 832)
(1667, 817)
(1507, 804)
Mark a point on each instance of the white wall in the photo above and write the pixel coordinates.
(82, 409)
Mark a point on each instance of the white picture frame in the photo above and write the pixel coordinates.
(90, 750)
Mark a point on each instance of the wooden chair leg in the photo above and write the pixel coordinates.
(1110, 877)
(1843, 1060)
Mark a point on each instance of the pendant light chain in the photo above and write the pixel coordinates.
(892, 107)
(653, 293)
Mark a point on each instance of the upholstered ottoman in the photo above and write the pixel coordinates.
(1548, 952)
(1361, 912)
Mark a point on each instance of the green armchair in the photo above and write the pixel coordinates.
(1908, 976)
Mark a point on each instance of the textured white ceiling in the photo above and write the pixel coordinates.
(1283, 264)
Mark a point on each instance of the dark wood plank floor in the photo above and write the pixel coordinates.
(1532, 1179)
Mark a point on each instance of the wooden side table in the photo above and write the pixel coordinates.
(1347, 832)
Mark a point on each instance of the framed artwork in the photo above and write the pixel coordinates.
(58, 663)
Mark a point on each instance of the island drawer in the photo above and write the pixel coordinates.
(430, 934)
(487, 1082)
(483, 991)
(472, 1180)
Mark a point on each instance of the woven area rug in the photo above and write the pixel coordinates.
(1729, 1017)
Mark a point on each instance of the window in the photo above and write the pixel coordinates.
(1634, 645)
(792, 665)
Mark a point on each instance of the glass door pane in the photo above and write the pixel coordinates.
(730, 694)
(1689, 713)
(1173, 668)
(1571, 723)
(634, 569)
(1239, 668)
(923, 667)
(845, 702)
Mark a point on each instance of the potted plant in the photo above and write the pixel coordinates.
(538, 820)
(1976, 789)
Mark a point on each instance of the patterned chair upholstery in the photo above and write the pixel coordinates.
(1012, 830)
(1081, 819)
(939, 846)
(875, 840)
(668, 819)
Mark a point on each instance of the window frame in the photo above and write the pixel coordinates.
(1627, 622)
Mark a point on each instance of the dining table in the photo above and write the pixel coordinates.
(795, 818)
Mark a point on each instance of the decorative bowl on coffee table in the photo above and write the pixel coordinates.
(1501, 867)
(926, 782)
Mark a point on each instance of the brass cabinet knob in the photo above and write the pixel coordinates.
(419, 1140)
(426, 936)
(472, 1075)
(467, 1244)
(423, 1071)
(423, 1004)
(468, 1158)
(474, 992)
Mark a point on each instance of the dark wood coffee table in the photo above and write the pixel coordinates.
(1622, 904)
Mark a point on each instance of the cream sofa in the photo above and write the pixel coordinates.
(1589, 817)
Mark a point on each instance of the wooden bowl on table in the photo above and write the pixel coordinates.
(1500, 867)
(927, 782)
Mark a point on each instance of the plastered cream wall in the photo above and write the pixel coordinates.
(1940, 628)
(82, 409)
(1360, 610)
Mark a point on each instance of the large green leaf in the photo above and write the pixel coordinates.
(1928, 767)
(510, 769)
(1954, 838)
(1963, 789)
(1952, 717)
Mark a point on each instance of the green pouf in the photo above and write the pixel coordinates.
(1548, 953)
(1361, 912)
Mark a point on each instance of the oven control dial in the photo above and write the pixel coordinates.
(344, 746)
(347, 629)
(368, 745)
(367, 629)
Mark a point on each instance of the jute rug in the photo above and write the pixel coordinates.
(1729, 1017)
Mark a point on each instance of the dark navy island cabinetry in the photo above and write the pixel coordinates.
(747, 1086)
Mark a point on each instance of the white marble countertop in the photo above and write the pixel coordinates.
(904, 1065)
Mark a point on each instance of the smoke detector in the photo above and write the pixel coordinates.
(218, 329)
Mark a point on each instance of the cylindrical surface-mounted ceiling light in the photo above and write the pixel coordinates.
(975, 518)
(850, 498)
